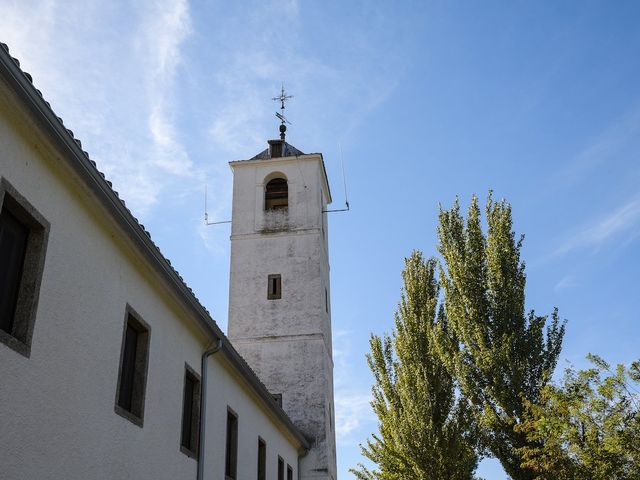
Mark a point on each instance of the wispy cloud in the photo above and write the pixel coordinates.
(123, 77)
(611, 144)
(625, 219)
(352, 401)
(353, 411)
(332, 95)
(568, 281)
(165, 27)
(104, 75)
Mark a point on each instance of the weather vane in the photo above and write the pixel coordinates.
(282, 99)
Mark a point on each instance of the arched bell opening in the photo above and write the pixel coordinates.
(276, 194)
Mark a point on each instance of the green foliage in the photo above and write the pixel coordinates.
(498, 353)
(588, 427)
(425, 431)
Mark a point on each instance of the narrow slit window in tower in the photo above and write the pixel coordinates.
(276, 194)
(274, 287)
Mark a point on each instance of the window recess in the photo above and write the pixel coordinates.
(276, 194)
(274, 287)
(23, 242)
(262, 459)
(231, 453)
(280, 468)
(132, 375)
(190, 413)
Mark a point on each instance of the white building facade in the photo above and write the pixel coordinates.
(102, 345)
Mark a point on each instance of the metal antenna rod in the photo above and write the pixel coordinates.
(206, 213)
(344, 178)
(344, 181)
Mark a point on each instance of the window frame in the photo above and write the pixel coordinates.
(276, 293)
(191, 450)
(289, 472)
(262, 459)
(141, 368)
(231, 446)
(32, 269)
(280, 468)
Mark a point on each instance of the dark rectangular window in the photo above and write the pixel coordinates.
(190, 413)
(274, 287)
(289, 472)
(23, 241)
(280, 468)
(262, 459)
(231, 455)
(132, 376)
(125, 400)
(187, 412)
(13, 245)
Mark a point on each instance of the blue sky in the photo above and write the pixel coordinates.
(539, 101)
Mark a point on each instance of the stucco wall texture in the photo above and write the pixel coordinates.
(57, 418)
(287, 341)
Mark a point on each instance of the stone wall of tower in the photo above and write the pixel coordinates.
(287, 341)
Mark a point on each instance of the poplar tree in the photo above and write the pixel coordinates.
(588, 426)
(425, 431)
(500, 355)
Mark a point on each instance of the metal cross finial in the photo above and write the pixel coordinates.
(282, 99)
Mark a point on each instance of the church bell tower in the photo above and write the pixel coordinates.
(279, 296)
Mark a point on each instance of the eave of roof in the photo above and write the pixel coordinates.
(78, 159)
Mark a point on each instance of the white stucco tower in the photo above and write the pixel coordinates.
(279, 299)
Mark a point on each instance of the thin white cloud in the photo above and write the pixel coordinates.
(620, 136)
(625, 219)
(109, 70)
(291, 7)
(342, 353)
(353, 411)
(352, 401)
(165, 28)
(332, 95)
(568, 281)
